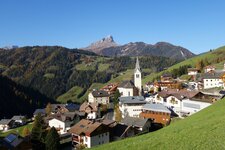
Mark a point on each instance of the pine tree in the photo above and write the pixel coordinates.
(115, 97)
(26, 132)
(52, 140)
(37, 128)
(48, 109)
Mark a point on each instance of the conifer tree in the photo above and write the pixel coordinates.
(52, 140)
(48, 109)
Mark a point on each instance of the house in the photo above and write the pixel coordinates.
(130, 88)
(192, 71)
(167, 84)
(61, 122)
(14, 142)
(213, 79)
(91, 109)
(6, 124)
(110, 88)
(140, 125)
(39, 111)
(127, 88)
(167, 77)
(99, 96)
(121, 131)
(71, 107)
(209, 68)
(131, 105)
(58, 108)
(89, 133)
(158, 113)
(19, 120)
(172, 98)
(198, 102)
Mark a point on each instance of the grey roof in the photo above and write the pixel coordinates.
(127, 84)
(132, 100)
(213, 74)
(156, 107)
(137, 67)
(136, 122)
(5, 121)
(41, 111)
(18, 117)
(100, 93)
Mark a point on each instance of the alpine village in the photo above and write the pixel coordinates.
(112, 75)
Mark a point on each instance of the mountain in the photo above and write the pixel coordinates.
(54, 70)
(108, 47)
(19, 100)
(98, 46)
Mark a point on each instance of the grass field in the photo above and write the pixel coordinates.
(201, 131)
(71, 95)
(16, 130)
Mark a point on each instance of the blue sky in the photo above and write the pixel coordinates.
(198, 25)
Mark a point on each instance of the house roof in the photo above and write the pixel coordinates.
(156, 107)
(85, 126)
(88, 107)
(5, 121)
(132, 100)
(100, 93)
(41, 111)
(132, 121)
(127, 84)
(18, 117)
(56, 107)
(72, 107)
(179, 94)
(213, 75)
(120, 129)
(12, 140)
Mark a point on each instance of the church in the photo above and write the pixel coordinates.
(132, 88)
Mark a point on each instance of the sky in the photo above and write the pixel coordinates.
(198, 25)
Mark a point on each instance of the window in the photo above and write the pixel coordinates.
(137, 75)
(128, 93)
(86, 139)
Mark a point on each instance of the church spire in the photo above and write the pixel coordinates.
(137, 65)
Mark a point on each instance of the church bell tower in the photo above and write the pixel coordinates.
(137, 77)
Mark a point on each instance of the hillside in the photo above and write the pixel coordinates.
(108, 47)
(203, 130)
(18, 100)
(54, 70)
(215, 57)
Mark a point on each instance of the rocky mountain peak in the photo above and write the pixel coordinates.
(105, 42)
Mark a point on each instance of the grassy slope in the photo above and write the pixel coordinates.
(203, 130)
(191, 61)
(72, 95)
(17, 130)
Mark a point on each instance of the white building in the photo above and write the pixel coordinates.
(137, 77)
(19, 119)
(209, 68)
(130, 88)
(126, 88)
(89, 133)
(6, 124)
(59, 125)
(131, 106)
(190, 106)
(91, 109)
(213, 79)
(99, 96)
(185, 102)
(192, 71)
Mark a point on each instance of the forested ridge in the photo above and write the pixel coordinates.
(53, 70)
